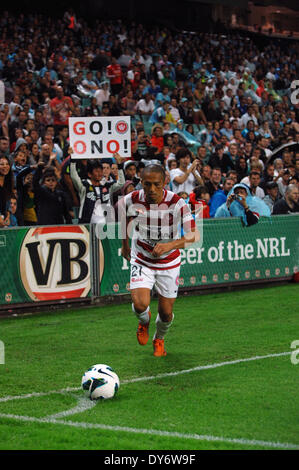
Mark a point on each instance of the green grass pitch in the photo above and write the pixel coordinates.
(227, 381)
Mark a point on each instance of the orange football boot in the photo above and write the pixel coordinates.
(159, 347)
(142, 332)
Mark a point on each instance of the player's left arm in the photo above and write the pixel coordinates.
(189, 238)
(184, 219)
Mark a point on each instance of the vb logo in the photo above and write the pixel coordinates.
(54, 262)
(294, 354)
(2, 352)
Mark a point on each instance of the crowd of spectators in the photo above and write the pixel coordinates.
(210, 108)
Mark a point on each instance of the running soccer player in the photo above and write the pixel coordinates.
(155, 218)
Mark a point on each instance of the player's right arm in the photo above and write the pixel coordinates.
(124, 223)
(125, 248)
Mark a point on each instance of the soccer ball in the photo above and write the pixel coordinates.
(100, 382)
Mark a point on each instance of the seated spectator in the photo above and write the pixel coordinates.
(162, 97)
(200, 195)
(278, 166)
(241, 168)
(226, 130)
(159, 114)
(130, 172)
(62, 142)
(174, 111)
(272, 194)
(114, 108)
(219, 197)
(12, 208)
(287, 158)
(254, 167)
(232, 153)
(102, 94)
(254, 181)
(145, 106)
(6, 189)
(33, 154)
(171, 163)
(294, 180)
(202, 155)
(128, 104)
(177, 142)
(232, 174)
(215, 181)
(240, 203)
(221, 160)
(89, 85)
(4, 146)
(93, 109)
(289, 202)
(268, 175)
(283, 181)
(157, 139)
(142, 143)
(205, 174)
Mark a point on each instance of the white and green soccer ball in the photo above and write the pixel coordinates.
(100, 382)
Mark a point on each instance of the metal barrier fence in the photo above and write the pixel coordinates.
(59, 264)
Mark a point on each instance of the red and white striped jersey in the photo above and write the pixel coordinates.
(155, 223)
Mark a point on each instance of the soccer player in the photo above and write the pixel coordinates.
(155, 218)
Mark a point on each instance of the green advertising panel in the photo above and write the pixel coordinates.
(72, 261)
(44, 264)
(228, 253)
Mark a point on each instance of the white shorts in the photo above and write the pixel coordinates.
(166, 281)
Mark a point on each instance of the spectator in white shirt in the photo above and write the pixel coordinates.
(228, 98)
(185, 177)
(173, 109)
(102, 94)
(249, 116)
(145, 106)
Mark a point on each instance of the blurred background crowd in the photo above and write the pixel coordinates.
(214, 109)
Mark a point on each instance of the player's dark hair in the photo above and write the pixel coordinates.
(153, 169)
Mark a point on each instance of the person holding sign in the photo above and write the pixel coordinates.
(94, 191)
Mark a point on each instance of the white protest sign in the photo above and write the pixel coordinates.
(100, 137)
(2, 92)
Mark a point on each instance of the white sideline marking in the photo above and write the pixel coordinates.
(153, 432)
(209, 366)
(152, 377)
